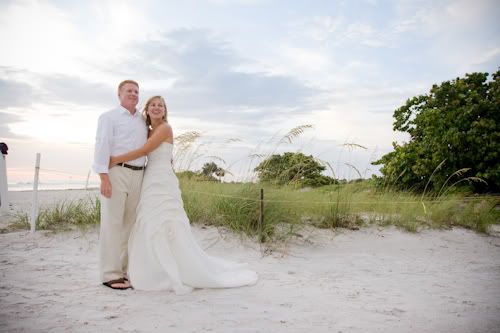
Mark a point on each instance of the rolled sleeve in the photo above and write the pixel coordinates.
(102, 151)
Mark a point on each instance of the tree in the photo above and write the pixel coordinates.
(211, 169)
(454, 132)
(292, 168)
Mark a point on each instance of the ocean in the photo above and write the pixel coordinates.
(55, 185)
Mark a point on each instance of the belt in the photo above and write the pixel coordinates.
(133, 167)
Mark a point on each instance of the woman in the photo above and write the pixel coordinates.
(163, 253)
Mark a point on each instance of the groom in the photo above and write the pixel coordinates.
(119, 131)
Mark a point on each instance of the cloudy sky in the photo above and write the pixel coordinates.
(240, 72)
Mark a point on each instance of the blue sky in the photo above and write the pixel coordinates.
(244, 69)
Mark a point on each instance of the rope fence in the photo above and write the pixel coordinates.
(63, 173)
(334, 201)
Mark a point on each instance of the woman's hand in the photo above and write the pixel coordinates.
(112, 161)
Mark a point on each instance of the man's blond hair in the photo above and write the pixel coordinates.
(125, 82)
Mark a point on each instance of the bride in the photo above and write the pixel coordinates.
(163, 253)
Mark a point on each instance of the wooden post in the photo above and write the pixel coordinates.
(261, 217)
(87, 182)
(34, 205)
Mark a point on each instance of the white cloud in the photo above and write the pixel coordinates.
(71, 41)
(34, 31)
(487, 56)
(471, 12)
(75, 124)
(363, 33)
(301, 60)
(339, 31)
(237, 2)
(320, 28)
(445, 17)
(118, 22)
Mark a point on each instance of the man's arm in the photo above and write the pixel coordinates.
(102, 153)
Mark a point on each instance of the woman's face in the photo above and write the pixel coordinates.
(156, 109)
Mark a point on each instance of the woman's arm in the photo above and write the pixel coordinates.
(162, 133)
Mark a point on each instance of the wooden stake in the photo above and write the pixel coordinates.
(261, 218)
(34, 205)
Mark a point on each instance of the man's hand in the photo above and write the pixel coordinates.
(105, 185)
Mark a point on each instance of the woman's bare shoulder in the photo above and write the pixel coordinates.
(165, 127)
(167, 132)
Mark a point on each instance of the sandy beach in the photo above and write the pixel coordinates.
(371, 280)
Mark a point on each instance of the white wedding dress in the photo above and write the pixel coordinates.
(163, 253)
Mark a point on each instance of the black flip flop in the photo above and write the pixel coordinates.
(120, 280)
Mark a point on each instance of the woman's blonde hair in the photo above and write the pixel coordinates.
(145, 110)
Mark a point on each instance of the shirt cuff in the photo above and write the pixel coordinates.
(100, 168)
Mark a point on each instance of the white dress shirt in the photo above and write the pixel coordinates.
(118, 132)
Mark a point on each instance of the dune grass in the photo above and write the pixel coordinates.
(64, 215)
(288, 208)
(347, 206)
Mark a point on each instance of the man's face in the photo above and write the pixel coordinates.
(129, 95)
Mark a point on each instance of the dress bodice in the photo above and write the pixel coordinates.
(161, 156)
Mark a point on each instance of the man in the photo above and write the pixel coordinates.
(118, 131)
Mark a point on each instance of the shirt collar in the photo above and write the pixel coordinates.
(123, 110)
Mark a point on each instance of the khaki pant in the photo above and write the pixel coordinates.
(118, 215)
